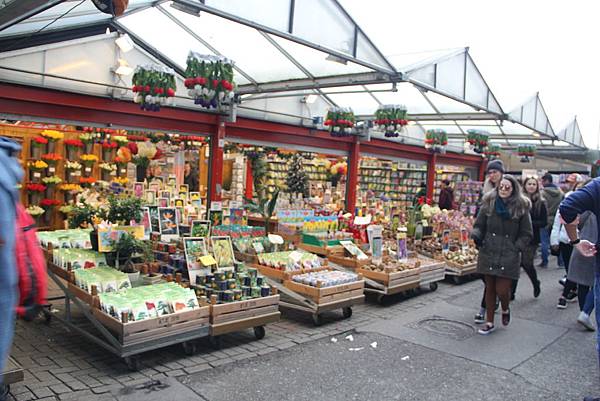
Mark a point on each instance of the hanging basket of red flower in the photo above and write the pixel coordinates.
(492, 152)
(391, 119)
(436, 140)
(209, 80)
(478, 139)
(526, 151)
(340, 121)
(154, 86)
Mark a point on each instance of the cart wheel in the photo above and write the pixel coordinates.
(456, 279)
(317, 319)
(347, 312)
(216, 342)
(433, 286)
(381, 299)
(47, 317)
(259, 332)
(133, 363)
(189, 347)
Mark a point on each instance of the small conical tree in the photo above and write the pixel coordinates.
(297, 180)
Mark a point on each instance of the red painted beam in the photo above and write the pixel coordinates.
(482, 168)
(460, 159)
(431, 160)
(301, 138)
(216, 163)
(249, 180)
(353, 164)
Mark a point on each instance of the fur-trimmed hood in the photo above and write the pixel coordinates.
(517, 206)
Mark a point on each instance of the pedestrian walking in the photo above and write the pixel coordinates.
(539, 220)
(553, 196)
(501, 231)
(495, 170)
(585, 199)
(446, 196)
(10, 176)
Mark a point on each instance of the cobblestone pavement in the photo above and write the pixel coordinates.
(62, 365)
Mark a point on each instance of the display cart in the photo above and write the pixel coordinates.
(459, 272)
(432, 271)
(336, 254)
(385, 284)
(242, 315)
(313, 300)
(126, 340)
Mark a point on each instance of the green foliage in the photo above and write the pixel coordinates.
(82, 216)
(265, 207)
(297, 180)
(124, 209)
(127, 247)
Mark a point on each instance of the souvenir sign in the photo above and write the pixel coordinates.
(222, 250)
(353, 250)
(146, 222)
(216, 217)
(138, 189)
(195, 248)
(165, 194)
(183, 195)
(194, 196)
(172, 181)
(107, 235)
(375, 234)
(236, 216)
(200, 228)
(150, 197)
(184, 188)
(167, 217)
(154, 187)
(178, 202)
(464, 239)
(163, 202)
(154, 221)
(446, 241)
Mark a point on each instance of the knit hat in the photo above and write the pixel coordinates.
(496, 165)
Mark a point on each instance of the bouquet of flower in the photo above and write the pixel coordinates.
(49, 203)
(136, 138)
(70, 187)
(340, 121)
(87, 181)
(89, 159)
(436, 140)
(69, 165)
(39, 141)
(526, 150)
(37, 165)
(35, 210)
(391, 119)
(73, 143)
(154, 85)
(86, 138)
(52, 180)
(120, 139)
(121, 180)
(52, 135)
(52, 158)
(145, 152)
(209, 79)
(33, 187)
(65, 209)
(108, 145)
(108, 167)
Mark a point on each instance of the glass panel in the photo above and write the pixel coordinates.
(450, 75)
(271, 13)
(425, 75)
(529, 112)
(364, 51)
(476, 89)
(541, 121)
(322, 22)
(244, 45)
(361, 103)
(407, 95)
(316, 62)
(494, 105)
(446, 105)
(35, 24)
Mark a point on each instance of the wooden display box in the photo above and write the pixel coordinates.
(323, 295)
(337, 255)
(390, 279)
(284, 274)
(241, 315)
(246, 257)
(154, 328)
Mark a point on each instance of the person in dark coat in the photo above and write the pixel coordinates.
(190, 177)
(446, 196)
(539, 219)
(501, 231)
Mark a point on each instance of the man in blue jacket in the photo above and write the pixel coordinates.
(586, 198)
(10, 175)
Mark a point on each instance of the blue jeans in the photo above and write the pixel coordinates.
(545, 244)
(588, 304)
(8, 282)
(597, 307)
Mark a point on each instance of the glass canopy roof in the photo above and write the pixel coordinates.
(293, 60)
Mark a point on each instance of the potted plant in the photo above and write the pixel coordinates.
(122, 210)
(84, 216)
(265, 207)
(126, 251)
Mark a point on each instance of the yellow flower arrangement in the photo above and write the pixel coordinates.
(52, 134)
(38, 165)
(121, 180)
(89, 158)
(70, 187)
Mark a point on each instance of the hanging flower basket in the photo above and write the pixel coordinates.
(526, 152)
(436, 140)
(478, 139)
(340, 121)
(153, 86)
(492, 152)
(209, 80)
(391, 119)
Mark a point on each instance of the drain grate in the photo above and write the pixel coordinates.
(447, 328)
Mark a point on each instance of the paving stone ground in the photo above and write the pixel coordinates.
(62, 365)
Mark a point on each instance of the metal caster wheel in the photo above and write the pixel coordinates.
(216, 342)
(133, 363)
(433, 286)
(317, 320)
(381, 299)
(456, 279)
(259, 332)
(189, 348)
(347, 312)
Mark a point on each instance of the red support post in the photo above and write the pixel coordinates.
(249, 180)
(482, 168)
(431, 159)
(216, 162)
(353, 162)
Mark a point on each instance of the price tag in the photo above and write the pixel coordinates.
(275, 239)
(51, 169)
(295, 256)
(362, 221)
(208, 260)
(88, 169)
(216, 206)
(123, 171)
(37, 175)
(113, 173)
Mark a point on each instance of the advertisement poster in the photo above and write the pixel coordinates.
(107, 235)
(194, 249)
(446, 241)
(222, 250)
(200, 228)
(167, 217)
(375, 234)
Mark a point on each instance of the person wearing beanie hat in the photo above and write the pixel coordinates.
(495, 165)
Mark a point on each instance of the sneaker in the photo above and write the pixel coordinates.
(562, 281)
(584, 320)
(537, 289)
(572, 296)
(562, 303)
(479, 318)
(506, 317)
(487, 329)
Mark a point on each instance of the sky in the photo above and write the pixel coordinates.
(520, 46)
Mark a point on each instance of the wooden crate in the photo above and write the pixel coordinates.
(239, 310)
(459, 267)
(154, 328)
(317, 250)
(323, 294)
(350, 262)
(245, 257)
(387, 278)
(60, 272)
(283, 274)
(83, 295)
